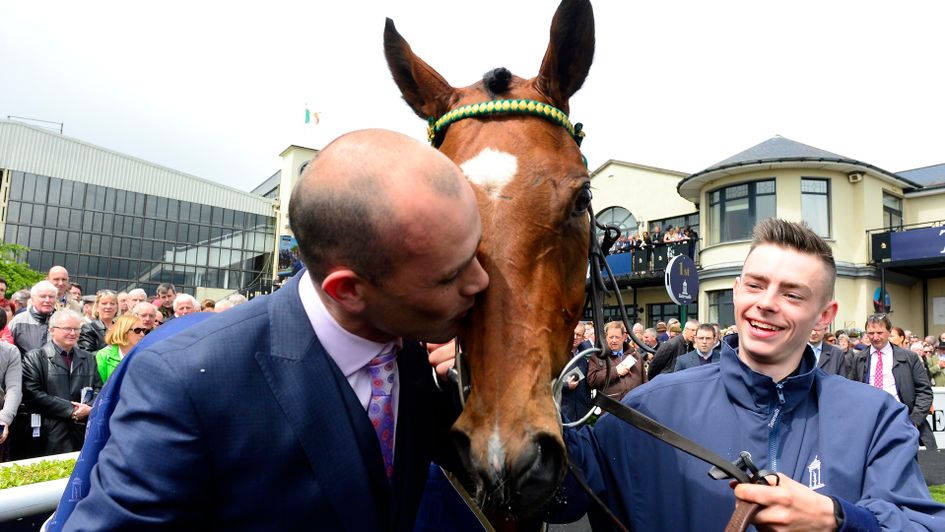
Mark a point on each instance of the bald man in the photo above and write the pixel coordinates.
(59, 277)
(273, 415)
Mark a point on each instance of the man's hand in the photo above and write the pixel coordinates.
(442, 357)
(80, 411)
(622, 370)
(4, 434)
(788, 506)
(573, 382)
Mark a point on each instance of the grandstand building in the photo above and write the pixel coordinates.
(118, 222)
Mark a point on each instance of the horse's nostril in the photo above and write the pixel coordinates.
(538, 471)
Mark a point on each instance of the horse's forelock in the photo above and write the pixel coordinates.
(497, 81)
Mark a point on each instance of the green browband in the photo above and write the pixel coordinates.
(504, 107)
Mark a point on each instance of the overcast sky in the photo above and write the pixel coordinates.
(218, 90)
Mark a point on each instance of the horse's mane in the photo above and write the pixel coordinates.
(497, 81)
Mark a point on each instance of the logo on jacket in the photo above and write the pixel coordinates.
(813, 474)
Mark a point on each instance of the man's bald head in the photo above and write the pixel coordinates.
(59, 277)
(357, 196)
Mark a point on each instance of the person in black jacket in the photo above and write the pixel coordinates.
(55, 379)
(575, 395)
(92, 337)
(897, 371)
(665, 359)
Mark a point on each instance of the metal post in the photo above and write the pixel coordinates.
(882, 289)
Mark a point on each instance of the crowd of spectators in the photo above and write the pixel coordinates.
(648, 240)
(58, 347)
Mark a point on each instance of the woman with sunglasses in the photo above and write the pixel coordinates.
(92, 337)
(125, 333)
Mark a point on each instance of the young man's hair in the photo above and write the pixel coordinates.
(707, 327)
(799, 237)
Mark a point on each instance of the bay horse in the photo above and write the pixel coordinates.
(533, 190)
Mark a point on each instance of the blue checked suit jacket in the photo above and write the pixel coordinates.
(245, 423)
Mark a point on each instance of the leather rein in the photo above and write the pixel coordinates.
(741, 470)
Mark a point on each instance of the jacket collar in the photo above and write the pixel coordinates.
(39, 316)
(755, 391)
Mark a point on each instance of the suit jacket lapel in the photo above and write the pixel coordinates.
(317, 405)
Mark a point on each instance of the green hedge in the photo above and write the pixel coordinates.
(19, 475)
(938, 493)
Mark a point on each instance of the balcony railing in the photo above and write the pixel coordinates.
(649, 262)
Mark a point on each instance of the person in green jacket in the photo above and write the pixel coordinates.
(124, 334)
(936, 358)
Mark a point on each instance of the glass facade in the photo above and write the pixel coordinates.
(118, 239)
(658, 312)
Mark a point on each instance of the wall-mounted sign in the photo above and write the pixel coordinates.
(925, 243)
(682, 280)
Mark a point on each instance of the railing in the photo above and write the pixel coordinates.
(912, 241)
(649, 261)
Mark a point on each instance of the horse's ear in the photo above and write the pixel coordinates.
(570, 51)
(424, 89)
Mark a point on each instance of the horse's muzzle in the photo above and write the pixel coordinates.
(521, 484)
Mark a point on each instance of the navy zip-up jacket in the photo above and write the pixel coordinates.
(842, 438)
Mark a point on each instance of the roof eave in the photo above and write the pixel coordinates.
(690, 187)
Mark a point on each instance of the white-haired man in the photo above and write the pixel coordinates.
(138, 295)
(185, 304)
(147, 313)
(29, 328)
(59, 382)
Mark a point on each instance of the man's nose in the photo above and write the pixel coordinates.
(477, 280)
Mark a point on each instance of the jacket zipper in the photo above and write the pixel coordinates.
(774, 431)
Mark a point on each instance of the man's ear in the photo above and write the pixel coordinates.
(826, 316)
(347, 289)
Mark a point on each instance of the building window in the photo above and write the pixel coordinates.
(666, 311)
(721, 307)
(686, 220)
(620, 217)
(892, 211)
(815, 205)
(734, 210)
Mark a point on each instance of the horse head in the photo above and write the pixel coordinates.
(533, 191)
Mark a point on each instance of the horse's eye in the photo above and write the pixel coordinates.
(582, 201)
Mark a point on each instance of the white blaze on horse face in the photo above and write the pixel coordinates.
(496, 454)
(491, 170)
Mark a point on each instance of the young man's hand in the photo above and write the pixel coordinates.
(788, 506)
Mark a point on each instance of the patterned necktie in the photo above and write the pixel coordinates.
(381, 406)
(878, 376)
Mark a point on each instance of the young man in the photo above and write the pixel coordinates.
(704, 352)
(166, 294)
(284, 411)
(844, 453)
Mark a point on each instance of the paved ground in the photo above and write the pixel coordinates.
(580, 526)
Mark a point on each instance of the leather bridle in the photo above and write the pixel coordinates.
(741, 470)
